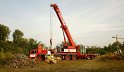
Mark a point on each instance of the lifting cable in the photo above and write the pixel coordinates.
(51, 26)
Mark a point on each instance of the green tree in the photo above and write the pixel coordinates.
(115, 46)
(31, 42)
(122, 46)
(23, 42)
(82, 49)
(4, 32)
(102, 51)
(17, 36)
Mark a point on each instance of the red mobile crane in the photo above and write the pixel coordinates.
(71, 51)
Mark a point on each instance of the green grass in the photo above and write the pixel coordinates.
(72, 66)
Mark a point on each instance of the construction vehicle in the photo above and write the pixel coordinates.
(72, 51)
(38, 53)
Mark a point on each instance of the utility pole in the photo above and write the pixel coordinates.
(117, 42)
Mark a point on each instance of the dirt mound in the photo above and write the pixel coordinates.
(21, 61)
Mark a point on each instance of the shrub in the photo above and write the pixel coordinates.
(5, 57)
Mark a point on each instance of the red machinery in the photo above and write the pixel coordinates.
(38, 53)
(71, 51)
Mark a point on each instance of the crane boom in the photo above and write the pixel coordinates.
(63, 26)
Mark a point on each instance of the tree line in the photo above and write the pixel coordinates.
(111, 48)
(19, 44)
(95, 49)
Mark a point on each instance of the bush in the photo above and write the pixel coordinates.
(5, 57)
(108, 56)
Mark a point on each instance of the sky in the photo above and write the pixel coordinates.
(90, 22)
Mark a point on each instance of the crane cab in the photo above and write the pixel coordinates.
(32, 53)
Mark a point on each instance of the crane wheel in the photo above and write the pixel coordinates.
(67, 57)
(88, 58)
(74, 57)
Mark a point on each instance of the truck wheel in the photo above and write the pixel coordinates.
(88, 57)
(67, 57)
(74, 57)
(60, 57)
(38, 58)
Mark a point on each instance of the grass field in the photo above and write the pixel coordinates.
(72, 66)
